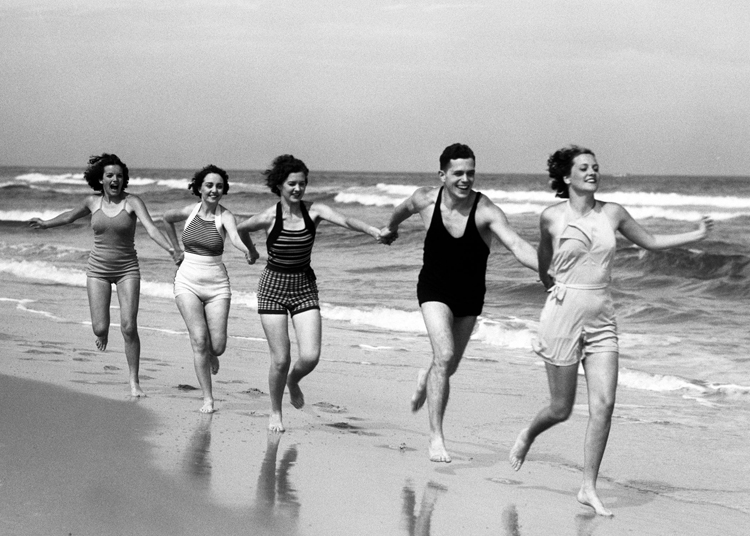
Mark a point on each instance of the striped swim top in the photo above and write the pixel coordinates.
(288, 250)
(202, 237)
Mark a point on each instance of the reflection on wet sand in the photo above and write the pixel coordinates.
(197, 460)
(510, 521)
(418, 523)
(276, 500)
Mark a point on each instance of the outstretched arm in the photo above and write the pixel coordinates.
(634, 232)
(520, 248)
(245, 245)
(171, 217)
(69, 216)
(412, 205)
(328, 214)
(139, 207)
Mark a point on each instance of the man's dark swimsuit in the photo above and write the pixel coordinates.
(453, 269)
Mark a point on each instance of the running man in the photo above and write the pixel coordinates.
(460, 224)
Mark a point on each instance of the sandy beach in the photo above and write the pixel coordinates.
(79, 456)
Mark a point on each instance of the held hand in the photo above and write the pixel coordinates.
(387, 236)
(36, 223)
(706, 226)
(252, 255)
(178, 256)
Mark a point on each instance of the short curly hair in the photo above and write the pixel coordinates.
(95, 171)
(559, 165)
(197, 181)
(281, 167)
(454, 152)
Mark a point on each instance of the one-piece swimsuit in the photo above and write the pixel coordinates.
(113, 257)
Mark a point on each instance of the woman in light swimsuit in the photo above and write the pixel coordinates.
(578, 322)
(287, 284)
(201, 284)
(113, 258)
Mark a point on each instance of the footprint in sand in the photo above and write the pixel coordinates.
(111, 367)
(327, 407)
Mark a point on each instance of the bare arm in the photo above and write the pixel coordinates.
(156, 235)
(328, 214)
(69, 216)
(520, 248)
(246, 247)
(414, 204)
(171, 217)
(634, 232)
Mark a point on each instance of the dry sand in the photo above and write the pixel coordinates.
(79, 456)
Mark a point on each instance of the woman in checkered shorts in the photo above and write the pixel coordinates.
(287, 285)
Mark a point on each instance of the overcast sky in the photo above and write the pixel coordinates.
(652, 86)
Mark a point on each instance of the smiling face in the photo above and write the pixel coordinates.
(584, 174)
(293, 188)
(458, 177)
(112, 180)
(212, 188)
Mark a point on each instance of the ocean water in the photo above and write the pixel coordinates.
(682, 314)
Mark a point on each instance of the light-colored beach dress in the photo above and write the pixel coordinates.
(578, 318)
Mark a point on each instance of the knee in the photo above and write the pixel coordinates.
(310, 356)
(129, 330)
(100, 328)
(602, 408)
(219, 347)
(560, 412)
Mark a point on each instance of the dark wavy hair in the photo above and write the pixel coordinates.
(95, 170)
(559, 165)
(281, 167)
(453, 152)
(197, 181)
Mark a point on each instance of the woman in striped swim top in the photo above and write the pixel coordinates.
(113, 258)
(287, 285)
(201, 284)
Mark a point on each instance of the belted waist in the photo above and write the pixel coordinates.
(558, 290)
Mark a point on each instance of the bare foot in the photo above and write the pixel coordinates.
(437, 451)
(214, 365)
(208, 407)
(274, 423)
(520, 449)
(590, 498)
(295, 395)
(420, 395)
(101, 343)
(136, 391)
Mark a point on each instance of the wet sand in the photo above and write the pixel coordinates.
(79, 456)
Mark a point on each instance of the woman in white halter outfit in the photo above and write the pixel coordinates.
(578, 322)
(201, 284)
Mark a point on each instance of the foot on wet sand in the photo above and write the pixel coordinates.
(295, 395)
(519, 450)
(101, 343)
(136, 391)
(275, 424)
(420, 395)
(437, 451)
(214, 365)
(590, 498)
(208, 407)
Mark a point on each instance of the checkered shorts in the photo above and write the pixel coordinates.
(279, 292)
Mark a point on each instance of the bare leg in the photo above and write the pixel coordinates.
(217, 315)
(128, 294)
(562, 387)
(196, 316)
(308, 328)
(100, 297)
(601, 377)
(276, 328)
(449, 337)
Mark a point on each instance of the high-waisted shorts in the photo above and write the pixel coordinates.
(466, 304)
(574, 324)
(205, 277)
(281, 292)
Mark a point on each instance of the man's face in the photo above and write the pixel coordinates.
(458, 178)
